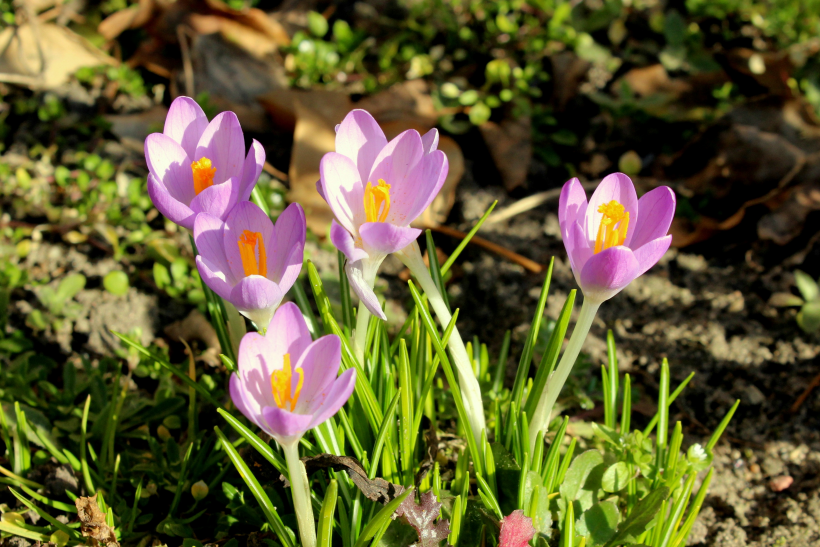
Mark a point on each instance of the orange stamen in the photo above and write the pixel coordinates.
(374, 198)
(281, 381)
(613, 226)
(203, 174)
(252, 252)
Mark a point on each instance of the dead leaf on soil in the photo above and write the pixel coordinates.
(44, 56)
(378, 489)
(93, 523)
(422, 517)
(510, 144)
(196, 327)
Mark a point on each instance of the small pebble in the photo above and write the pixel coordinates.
(754, 468)
(780, 483)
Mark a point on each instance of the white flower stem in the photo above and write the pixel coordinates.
(470, 389)
(300, 489)
(540, 418)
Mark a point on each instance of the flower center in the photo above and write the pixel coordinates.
(281, 384)
(252, 252)
(612, 230)
(203, 174)
(374, 198)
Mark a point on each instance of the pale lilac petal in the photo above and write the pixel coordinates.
(395, 164)
(255, 362)
(572, 205)
(285, 426)
(343, 189)
(649, 254)
(409, 200)
(286, 251)
(222, 142)
(185, 123)
(343, 241)
(430, 141)
(256, 298)
(337, 395)
(605, 274)
(215, 277)
(217, 200)
(320, 189)
(246, 216)
(361, 139)
(385, 238)
(173, 210)
(657, 208)
(363, 289)
(288, 332)
(209, 243)
(238, 395)
(618, 187)
(254, 162)
(169, 163)
(320, 365)
(578, 249)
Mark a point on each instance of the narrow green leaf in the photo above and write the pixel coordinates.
(381, 517)
(253, 439)
(612, 361)
(380, 438)
(501, 365)
(721, 427)
(324, 535)
(654, 421)
(89, 484)
(451, 260)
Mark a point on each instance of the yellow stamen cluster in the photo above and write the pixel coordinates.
(252, 252)
(374, 198)
(281, 381)
(203, 174)
(613, 227)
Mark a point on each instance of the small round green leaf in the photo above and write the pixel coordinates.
(616, 477)
(317, 24)
(116, 282)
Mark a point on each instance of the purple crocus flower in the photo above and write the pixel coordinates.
(200, 167)
(247, 260)
(615, 237)
(376, 189)
(286, 384)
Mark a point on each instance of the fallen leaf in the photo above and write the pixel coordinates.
(378, 489)
(510, 144)
(92, 523)
(422, 517)
(196, 327)
(128, 18)
(654, 79)
(516, 530)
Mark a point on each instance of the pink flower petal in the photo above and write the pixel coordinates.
(395, 164)
(430, 141)
(385, 238)
(288, 333)
(209, 243)
(256, 298)
(215, 277)
(185, 124)
(173, 210)
(578, 249)
(605, 274)
(255, 363)
(421, 187)
(343, 190)
(285, 426)
(618, 187)
(252, 168)
(343, 241)
(337, 395)
(649, 254)
(286, 250)
(361, 139)
(217, 200)
(320, 365)
(572, 205)
(168, 162)
(238, 394)
(363, 290)
(247, 216)
(222, 142)
(516, 530)
(657, 208)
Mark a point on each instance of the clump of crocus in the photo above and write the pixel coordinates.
(286, 385)
(376, 189)
(610, 240)
(196, 166)
(247, 260)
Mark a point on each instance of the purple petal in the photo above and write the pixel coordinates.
(254, 162)
(256, 298)
(343, 241)
(409, 200)
(572, 205)
(285, 426)
(320, 365)
(386, 238)
(395, 163)
(430, 141)
(248, 216)
(578, 249)
(618, 187)
(238, 395)
(288, 332)
(166, 204)
(363, 289)
(336, 397)
(649, 254)
(215, 277)
(605, 274)
(222, 142)
(209, 243)
(170, 164)
(286, 253)
(657, 208)
(320, 189)
(185, 124)
(343, 190)
(217, 200)
(361, 139)
(256, 364)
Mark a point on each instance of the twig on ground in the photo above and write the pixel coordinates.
(514, 257)
(805, 395)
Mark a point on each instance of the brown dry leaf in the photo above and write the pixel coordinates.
(196, 327)
(93, 523)
(654, 79)
(128, 18)
(44, 56)
(510, 143)
(378, 489)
